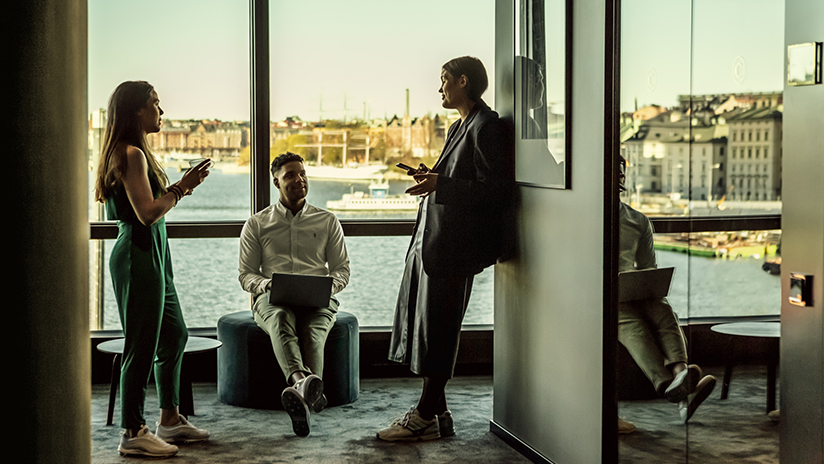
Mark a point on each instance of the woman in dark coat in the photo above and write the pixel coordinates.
(458, 233)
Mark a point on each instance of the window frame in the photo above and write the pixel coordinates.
(261, 182)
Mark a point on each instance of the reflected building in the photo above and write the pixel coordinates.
(709, 147)
(755, 154)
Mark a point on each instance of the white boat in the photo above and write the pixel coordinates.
(378, 199)
(365, 173)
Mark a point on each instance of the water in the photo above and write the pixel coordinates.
(206, 273)
(206, 269)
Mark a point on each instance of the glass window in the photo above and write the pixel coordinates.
(196, 55)
(358, 93)
(377, 267)
(723, 274)
(205, 271)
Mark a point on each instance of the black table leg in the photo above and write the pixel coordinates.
(771, 368)
(725, 385)
(113, 388)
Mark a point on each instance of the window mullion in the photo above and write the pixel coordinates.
(259, 89)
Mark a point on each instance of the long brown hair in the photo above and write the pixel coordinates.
(123, 129)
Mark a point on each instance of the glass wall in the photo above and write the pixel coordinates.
(701, 131)
(354, 90)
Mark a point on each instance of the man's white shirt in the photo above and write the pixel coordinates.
(635, 238)
(309, 242)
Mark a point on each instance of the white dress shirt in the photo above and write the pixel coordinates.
(637, 248)
(309, 242)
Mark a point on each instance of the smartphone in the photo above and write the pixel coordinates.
(403, 166)
(195, 162)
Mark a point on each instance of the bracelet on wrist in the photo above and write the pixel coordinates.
(176, 191)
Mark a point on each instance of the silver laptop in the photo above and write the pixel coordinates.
(300, 290)
(644, 284)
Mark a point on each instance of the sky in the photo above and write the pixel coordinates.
(325, 54)
(361, 55)
(736, 46)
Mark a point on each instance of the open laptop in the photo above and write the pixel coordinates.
(644, 284)
(300, 290)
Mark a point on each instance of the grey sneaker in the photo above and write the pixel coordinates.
(446, 425)
(145, 444)
(298, 410)
(411, 427)
(183, 432)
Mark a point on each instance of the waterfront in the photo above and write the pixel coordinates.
(206, 269)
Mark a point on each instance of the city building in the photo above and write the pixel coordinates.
(754, 167)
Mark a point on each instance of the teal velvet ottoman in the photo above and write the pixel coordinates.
(248, 375)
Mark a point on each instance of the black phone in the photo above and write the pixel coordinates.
(403, 166)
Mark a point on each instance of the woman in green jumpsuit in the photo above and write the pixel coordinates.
(135, 190)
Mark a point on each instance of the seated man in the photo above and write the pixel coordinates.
(294, 237)
(649, 329)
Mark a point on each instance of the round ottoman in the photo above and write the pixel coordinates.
(248, 374)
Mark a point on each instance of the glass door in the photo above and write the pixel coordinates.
(701, 117)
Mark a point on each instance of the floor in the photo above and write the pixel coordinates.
(343, 434)
(735, 430)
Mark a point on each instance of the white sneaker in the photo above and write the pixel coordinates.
(145, 444)
(411, 427)
(183, 432)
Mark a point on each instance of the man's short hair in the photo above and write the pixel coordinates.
(282, 159)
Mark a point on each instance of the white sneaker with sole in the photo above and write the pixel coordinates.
(183, 432)
(411, 427)
(145, 443)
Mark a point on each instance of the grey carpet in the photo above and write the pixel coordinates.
(735, 430)
(342, 434)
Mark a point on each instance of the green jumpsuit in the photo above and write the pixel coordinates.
(150, 313)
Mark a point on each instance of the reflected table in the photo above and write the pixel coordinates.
(193, 345)
(771, 333)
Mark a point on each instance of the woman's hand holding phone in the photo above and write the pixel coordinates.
(410, 171)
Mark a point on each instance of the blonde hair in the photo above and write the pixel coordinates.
(123, 129)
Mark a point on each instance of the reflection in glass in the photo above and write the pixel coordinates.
(648, 327)
(723, 274)
(701, 129)
(541, 98)
(804, 64)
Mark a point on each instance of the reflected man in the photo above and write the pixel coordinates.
(294, 237)
(649, 329)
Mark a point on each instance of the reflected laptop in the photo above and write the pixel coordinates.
(300, 290)
(644, 284)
